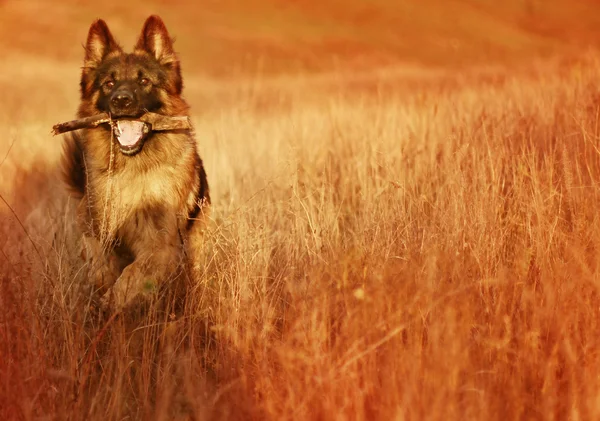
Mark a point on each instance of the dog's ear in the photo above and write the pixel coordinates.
(100, 43)
(156, 41)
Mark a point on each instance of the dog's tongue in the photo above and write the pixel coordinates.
(129, 132)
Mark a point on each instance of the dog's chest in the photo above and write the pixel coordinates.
(127, 192)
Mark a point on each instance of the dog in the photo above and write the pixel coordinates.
(143, 196)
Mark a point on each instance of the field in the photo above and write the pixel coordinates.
(388, 241)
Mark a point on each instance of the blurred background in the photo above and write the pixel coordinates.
(227, 38)
(235, 49)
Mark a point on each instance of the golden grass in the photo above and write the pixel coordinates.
(390, 254)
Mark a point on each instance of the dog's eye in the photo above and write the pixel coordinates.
(144, 81)
(109, 84)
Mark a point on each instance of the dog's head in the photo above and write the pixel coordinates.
(126, 85)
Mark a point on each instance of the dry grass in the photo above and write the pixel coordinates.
(377, 255)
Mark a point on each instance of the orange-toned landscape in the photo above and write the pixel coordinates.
(404, 221)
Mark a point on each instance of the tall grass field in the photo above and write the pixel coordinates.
(410, 245)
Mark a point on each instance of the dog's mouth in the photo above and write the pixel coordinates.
(130, 135)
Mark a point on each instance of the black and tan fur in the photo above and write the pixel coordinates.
(138, 212)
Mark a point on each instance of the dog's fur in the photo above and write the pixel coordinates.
(140, 213)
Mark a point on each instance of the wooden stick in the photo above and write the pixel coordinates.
(157, 122)
(81, 123)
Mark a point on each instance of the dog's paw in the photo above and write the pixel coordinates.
(113, 301)
(105, 302)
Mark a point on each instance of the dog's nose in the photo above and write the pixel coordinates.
(122, 100)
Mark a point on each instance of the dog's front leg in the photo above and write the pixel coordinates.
(103, 268)
(144, 275)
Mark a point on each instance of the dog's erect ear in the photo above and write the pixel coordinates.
(155, 40)
(100, 43)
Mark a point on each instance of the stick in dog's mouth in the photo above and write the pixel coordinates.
(127, 128)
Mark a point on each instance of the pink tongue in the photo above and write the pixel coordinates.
(129, 132)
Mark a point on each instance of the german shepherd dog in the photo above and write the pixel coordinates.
(142, 195)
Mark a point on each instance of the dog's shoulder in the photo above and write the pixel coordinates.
(73, 164)
(199, 199)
